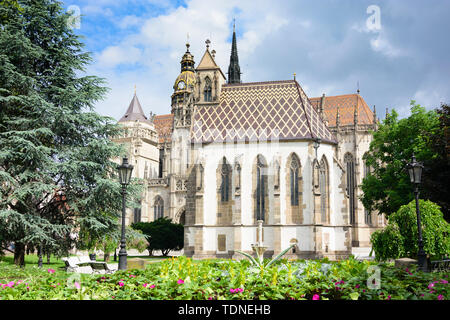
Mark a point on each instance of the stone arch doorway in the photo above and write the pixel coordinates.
(181, 216)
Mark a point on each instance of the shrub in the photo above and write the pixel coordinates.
(387, 243)
(162, 235)
(400, 237)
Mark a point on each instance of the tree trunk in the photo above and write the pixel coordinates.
(19, 254)
(106, 256)
(40, 256)
(48, 257)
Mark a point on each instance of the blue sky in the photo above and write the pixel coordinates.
(396, 56)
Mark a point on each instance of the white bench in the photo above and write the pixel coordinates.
(85, 265)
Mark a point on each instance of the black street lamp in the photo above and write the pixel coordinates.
(125, 170)
(415, 173)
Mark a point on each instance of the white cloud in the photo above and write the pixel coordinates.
(130, 21)
(113, 56)
(383, 45)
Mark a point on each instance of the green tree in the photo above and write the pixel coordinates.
(400, 237)
(388, 187)
(436, 171)
(56, 170)
(162, 235)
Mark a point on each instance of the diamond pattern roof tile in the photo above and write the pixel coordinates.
(258, 111)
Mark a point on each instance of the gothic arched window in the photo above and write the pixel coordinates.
(294, 174)
(158, 208)
(367, 215)
(261, 188)
(225, 182)
(137, 215)
(350, 166)
(208, 90)
(323, 185)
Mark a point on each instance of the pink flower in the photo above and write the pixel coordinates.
(357, 286)
(389, 298)
(440, 297)
(132, 276)
(152, 286)
(77, 285)
(316, 297)
(431, 285)
(232, 290)
(51, 270)
(180, 281)
(210, 298)
(444, 281)
(121, 284)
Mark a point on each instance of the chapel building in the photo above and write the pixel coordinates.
(231, 153)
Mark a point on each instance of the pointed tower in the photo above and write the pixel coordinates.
(234, 71)
(209, 78)
(134, 111)
(182, 97)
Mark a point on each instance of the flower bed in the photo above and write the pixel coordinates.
(183, 278)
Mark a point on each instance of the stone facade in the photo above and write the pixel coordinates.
(230, 154)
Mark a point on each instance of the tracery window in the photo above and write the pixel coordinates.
(350, 165)
(208, 90)
(294, 174)
(158, 208)
(261, 188)
(225, 183)
(324, 187)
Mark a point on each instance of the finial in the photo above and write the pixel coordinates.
(374, 114)
(207, 43)
(213, 53)
(135, 89)
(294, 75)
(357, 91)
(234, 24)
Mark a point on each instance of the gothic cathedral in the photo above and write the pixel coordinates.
(231, 153)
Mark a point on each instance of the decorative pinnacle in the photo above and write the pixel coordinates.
(134, 89)
(294, 75)
(207, 43)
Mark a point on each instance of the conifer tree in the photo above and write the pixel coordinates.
(57, 174)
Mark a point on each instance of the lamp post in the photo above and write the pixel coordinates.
(125, 170)
(415, 173)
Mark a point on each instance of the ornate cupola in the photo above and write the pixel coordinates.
(234, 71)
(183, 89)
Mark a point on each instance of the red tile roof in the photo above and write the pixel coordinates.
(347, 104)
(163, 125)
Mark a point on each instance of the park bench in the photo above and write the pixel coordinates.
(85, 265)
(440, 265)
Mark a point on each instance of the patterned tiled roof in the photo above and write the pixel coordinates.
(346, 104)
(163, 125)
(259, 111)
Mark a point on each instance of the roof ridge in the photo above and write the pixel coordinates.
(256, 83)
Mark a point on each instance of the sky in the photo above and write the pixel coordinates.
(394, 51)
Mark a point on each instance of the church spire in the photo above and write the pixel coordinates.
(234, 71)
